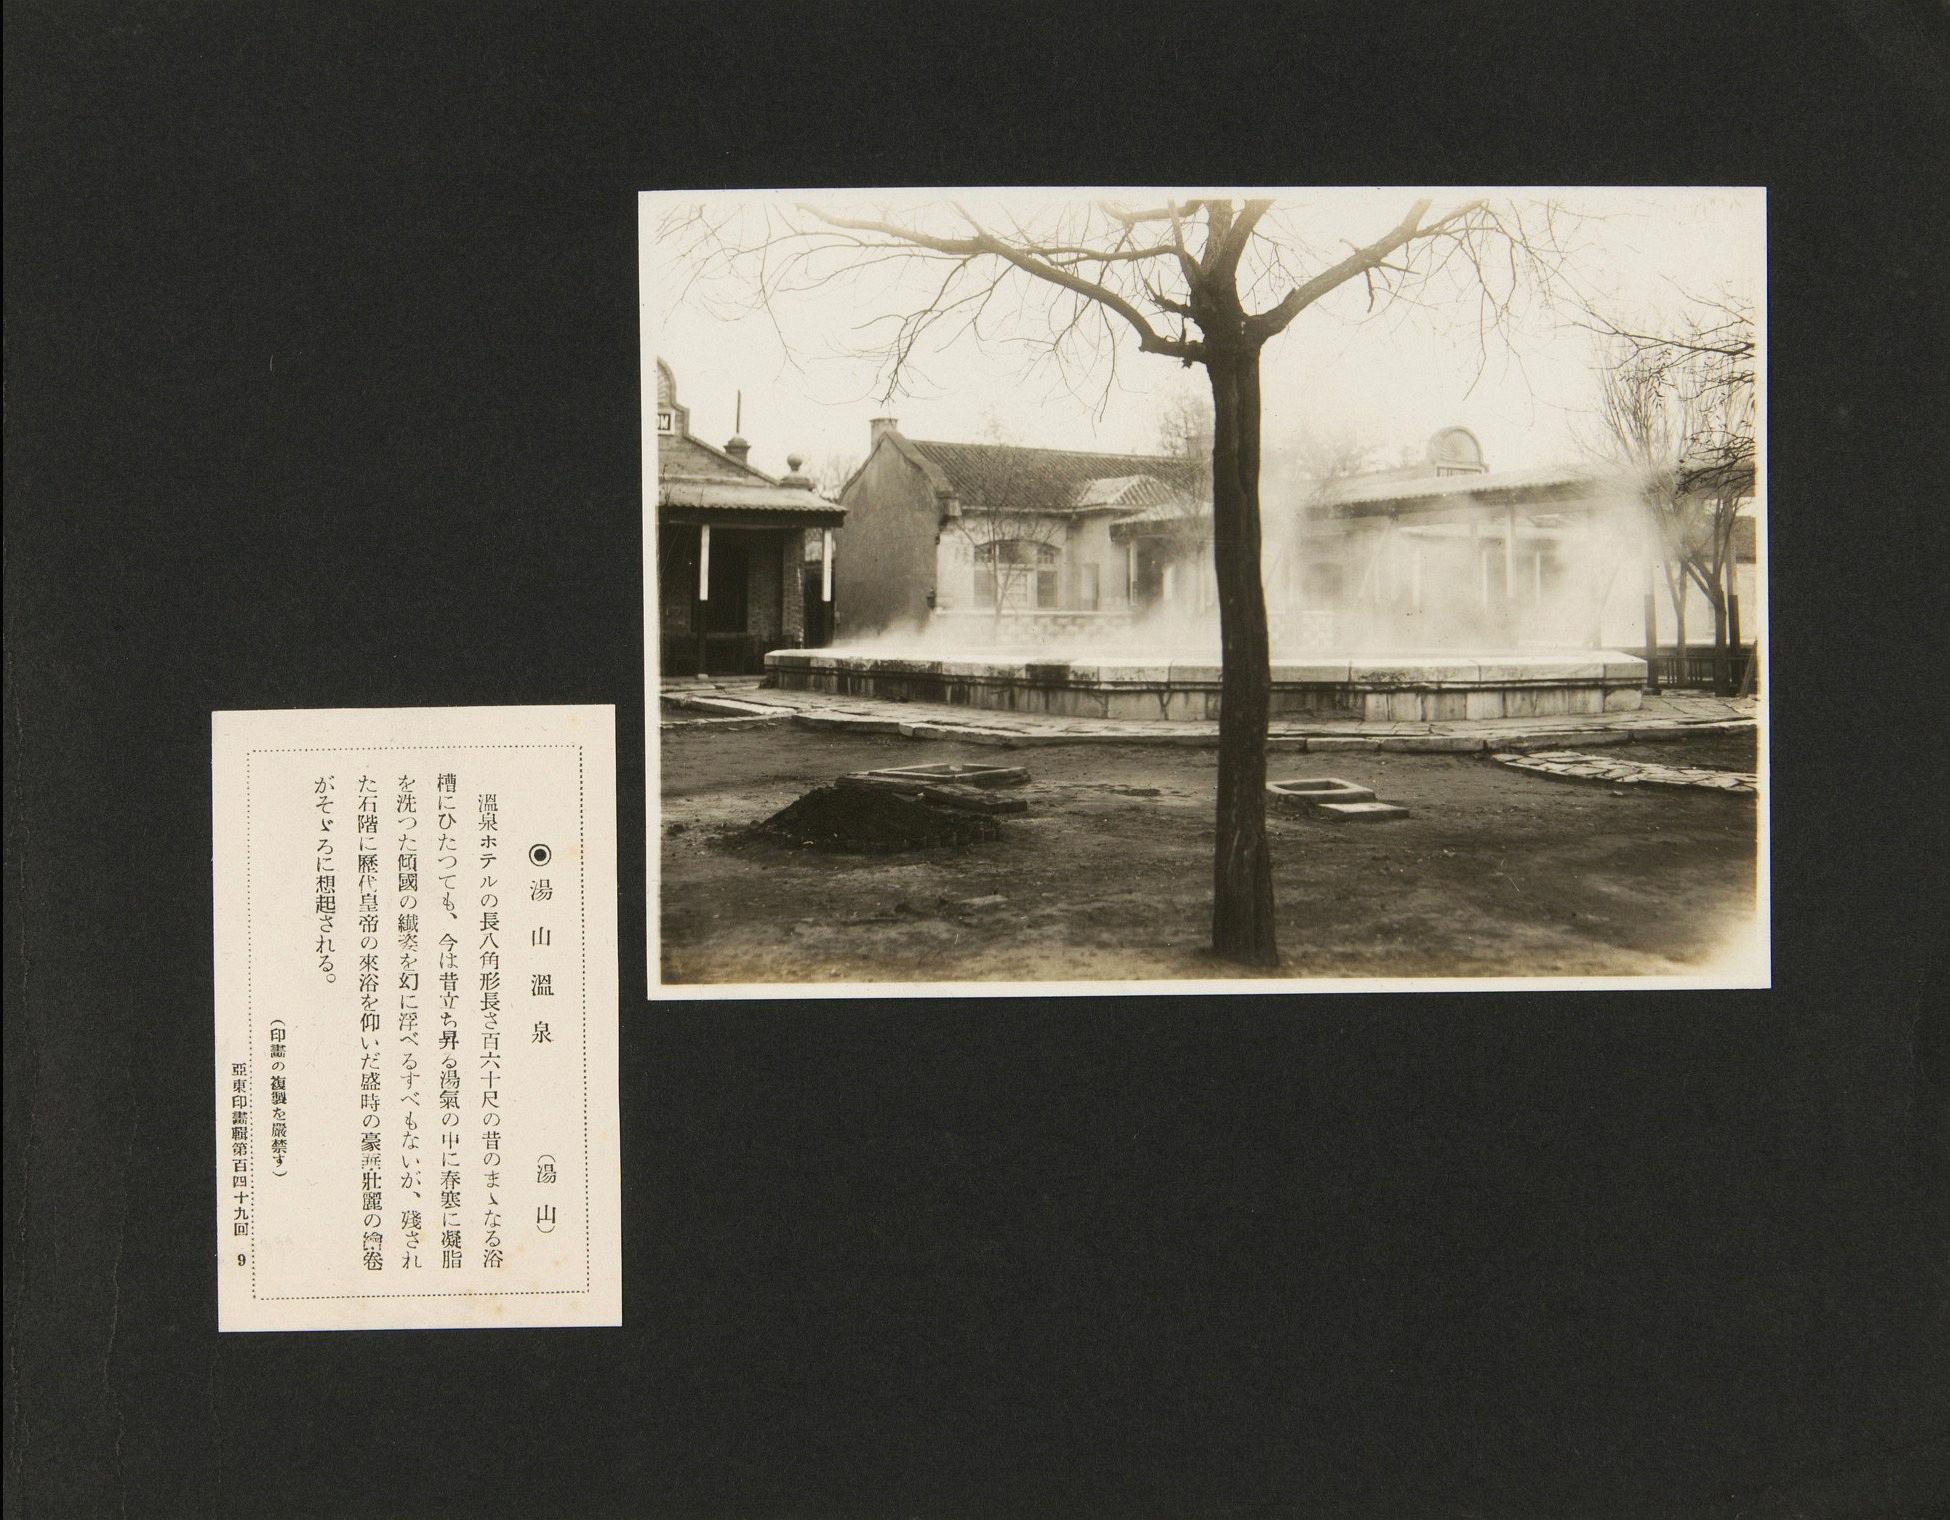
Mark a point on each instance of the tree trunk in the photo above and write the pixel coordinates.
(1743, 666)
(1242, 869)
(1676, 585)
(1652, 681)
(1722, 656)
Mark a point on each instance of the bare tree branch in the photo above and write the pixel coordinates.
(1271, 323)
(1225, 264)
(985, 242)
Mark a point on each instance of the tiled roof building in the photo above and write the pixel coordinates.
(1003, 477)
(1525, 557)
(992, 542)
(732, 580)
(978, 530)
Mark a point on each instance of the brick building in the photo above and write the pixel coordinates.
(732, 549)
(988, 533)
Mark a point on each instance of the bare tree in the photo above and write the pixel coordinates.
(1203, 281)
(1717, 475)
(1677, 415)
(1011, 543)
(1017, 557)
(1185, 431)
(1184, 523)
(1308, 462)
(1711, 348)
(833, 472)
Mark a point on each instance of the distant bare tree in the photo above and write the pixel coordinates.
(1677, 415)
(1185, 429)
(1203, 281)
(1712, 346)
(1011, 544)
(833, 472)
(1185, 435)
(1310, 460)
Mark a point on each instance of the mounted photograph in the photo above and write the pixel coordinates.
(1140, 589)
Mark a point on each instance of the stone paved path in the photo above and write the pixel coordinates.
(698, 703)
(1616, 771)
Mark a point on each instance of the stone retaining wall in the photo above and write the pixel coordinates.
(1398, 690)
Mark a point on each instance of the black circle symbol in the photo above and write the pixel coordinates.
(539, 854)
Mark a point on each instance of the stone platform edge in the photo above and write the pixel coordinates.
(1601, 666)
(1439, 744)
(1421, 688)
(1325, 741)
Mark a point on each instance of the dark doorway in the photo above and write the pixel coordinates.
(729, 631)
(730, 647)
(677, 549)
(726, 612)
(819, 613)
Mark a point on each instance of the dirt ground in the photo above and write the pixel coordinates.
(1737, 751)
(1498, 872)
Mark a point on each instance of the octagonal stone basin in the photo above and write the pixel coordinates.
(1395, 688)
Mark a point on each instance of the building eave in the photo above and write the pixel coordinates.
(693, 500)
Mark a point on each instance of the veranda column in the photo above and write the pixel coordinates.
(1510, 571)
(703, 591)
(1391, 557)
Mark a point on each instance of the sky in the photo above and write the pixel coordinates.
(1388, 379)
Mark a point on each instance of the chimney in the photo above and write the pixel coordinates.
(881, 425)
(794, 478)
(737, 448)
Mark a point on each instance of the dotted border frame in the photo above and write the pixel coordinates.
(250, 1020)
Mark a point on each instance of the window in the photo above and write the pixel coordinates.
(1015, 573)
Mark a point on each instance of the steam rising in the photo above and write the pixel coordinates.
(1337, 588)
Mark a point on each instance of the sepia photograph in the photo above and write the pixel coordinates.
(1151, 587)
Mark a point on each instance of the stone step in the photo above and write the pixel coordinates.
(1358, 812)
(962, 775)
(1314, 791)
(729, 705)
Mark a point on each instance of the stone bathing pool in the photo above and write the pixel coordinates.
(1392, 688)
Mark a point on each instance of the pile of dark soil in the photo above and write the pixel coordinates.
(870, 821)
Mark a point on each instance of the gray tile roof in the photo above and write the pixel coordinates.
(1007, 477)
(1359, 489)
(690, 473)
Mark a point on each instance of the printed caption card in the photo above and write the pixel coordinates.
(416, 1018)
